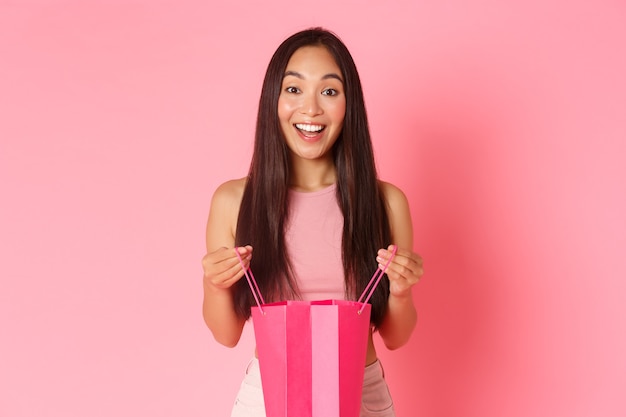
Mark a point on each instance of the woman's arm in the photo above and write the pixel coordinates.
(404, 271)
(221, 266)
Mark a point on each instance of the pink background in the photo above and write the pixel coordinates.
(504, 122)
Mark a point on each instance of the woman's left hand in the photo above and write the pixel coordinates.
(404, 270)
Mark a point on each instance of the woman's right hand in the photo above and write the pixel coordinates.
(222, 268)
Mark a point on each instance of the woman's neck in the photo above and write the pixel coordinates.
(312, 175)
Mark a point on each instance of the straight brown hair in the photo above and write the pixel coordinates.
(265, 204)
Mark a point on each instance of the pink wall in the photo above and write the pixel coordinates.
(505, 123)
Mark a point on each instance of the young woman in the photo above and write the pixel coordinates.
(311, 218)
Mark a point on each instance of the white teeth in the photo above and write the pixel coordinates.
(309, 128)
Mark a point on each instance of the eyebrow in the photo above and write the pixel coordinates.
(300, 76)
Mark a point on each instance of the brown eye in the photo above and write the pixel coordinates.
(330, 92)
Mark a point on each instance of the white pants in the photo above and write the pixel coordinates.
(375, 402)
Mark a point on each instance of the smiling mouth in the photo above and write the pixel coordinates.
(309, 129)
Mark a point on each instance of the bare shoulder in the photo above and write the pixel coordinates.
(399, 215)
(222, 222)
(229, 193)
(394, 196)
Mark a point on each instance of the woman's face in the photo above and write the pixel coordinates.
(312, 103)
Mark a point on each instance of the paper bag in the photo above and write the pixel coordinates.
(312, 354)
(312, 357)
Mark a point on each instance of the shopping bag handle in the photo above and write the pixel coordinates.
(250, 277)
(371, 286)
(375, 280)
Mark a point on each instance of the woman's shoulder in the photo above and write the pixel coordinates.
(399, 215)
(229, 193)
(234, 186)
(393, 194)
(222, 222)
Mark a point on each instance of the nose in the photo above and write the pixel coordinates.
(310, 105)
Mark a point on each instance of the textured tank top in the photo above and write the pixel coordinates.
(313, 240)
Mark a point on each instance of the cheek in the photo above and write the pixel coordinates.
(339, 112)
(284, 115)
(285, 109)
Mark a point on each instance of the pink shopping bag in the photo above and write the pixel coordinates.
(312, 354)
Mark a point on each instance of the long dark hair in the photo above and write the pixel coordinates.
(265, 204)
